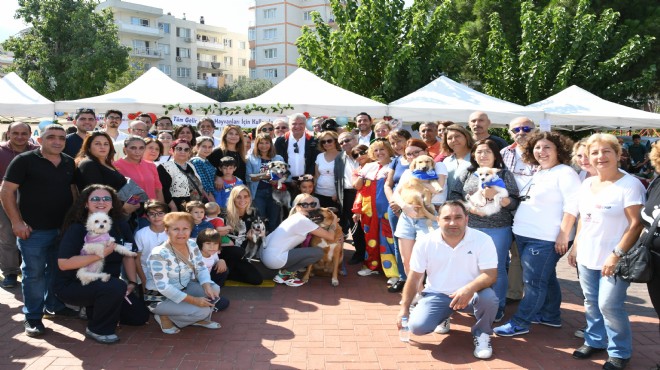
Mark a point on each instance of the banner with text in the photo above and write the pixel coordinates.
(222, 121)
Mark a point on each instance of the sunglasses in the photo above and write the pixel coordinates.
(105, 198)
(329, 141)
(267, 129)
(307, 205)
(356, 155)
(156, 214)
(295, 148)
(524, 129)
(345, 141)
(180, 149)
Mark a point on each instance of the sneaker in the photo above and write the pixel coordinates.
(391, 281)
(443, 327)
(499, 316)
(482, 348)
(104, 339)
(65, 312)
(615, 363)
(294, 281)
(542, 321)
(10, 281)
(580, 332)
(34, 328)
(366, 272)
(510, 329)
(397, 287)
(282, 276)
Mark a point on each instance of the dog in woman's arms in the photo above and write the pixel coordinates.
(333, 250)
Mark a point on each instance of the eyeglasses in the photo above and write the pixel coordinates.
(295, 148)
(307, 205)
(138, 130)
(155, 214)
(413, 154)
(345, 141)
(516, 130)
(281, 128)
(180, 149)
(329, 141)
(96, 199)
(113, 117)
(267, 129)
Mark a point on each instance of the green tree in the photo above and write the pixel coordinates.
(243, 88)
(558, 49)
(134, 71)
(381, 50)
(70, 51)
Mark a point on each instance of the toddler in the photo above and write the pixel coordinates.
(197, 211)
(208, 242)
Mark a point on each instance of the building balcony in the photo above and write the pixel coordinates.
(252, 44)
(252, 63)
(210, 65)
(210, 45)
(139, 30)
(146, 53)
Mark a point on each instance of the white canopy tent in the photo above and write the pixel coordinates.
(148, 93)
(308, 93)
(18, 99)
(575, 108)
(447, 99)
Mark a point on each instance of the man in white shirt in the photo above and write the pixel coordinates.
(365, 133)
(206, 127)
(298, 148)
(461, 267)
(112, 121)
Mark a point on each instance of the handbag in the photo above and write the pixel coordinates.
(132, 189)
(636, 266)
(195, 185)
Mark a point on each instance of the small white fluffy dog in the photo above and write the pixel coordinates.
(98, 235)
(477, 203)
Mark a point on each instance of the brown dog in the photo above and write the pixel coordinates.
(420, 192)
(333, 250)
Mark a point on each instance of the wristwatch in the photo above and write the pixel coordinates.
(618, 252)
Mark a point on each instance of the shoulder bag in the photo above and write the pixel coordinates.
(636, 266)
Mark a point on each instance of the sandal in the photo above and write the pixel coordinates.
(172, 330)
(207, 324)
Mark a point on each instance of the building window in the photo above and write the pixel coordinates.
(270, 33)
(242, 45)
(227, 43)
(252, 34)
(270, 53)
(165, 68)
(253, 54)
(164, 26)
(183, 52)
(229, 61)
(183, 32)
(253, 73)
(164, 49)
(140, 21)
(183, 72)
(307, 16)
(270, 73)
(270, 13)
(242, 62)
(229, 78)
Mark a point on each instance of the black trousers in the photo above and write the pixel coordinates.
(239, 268)
(348, 223)
(654, 285)
(325, 202)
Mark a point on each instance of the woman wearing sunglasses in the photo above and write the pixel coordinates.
(266, 127)
(179, 178)
(280, 252)
(108, 302)
(324, 170)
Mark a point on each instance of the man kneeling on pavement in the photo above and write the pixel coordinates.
(461, 266)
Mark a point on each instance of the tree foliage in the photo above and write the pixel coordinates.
(243, 88)
(136, 68)
(381, 50)
(70, 51)
(558, 49)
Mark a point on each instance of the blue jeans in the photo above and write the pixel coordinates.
(39, 253)
(608, 325)
(434, 308)
(264, 203)
(394, 219)
(542, 292)
(502, 237)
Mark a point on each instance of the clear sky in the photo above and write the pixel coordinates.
(232, 14)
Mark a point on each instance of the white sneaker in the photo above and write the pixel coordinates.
(392, 280)
(367, 272)
(482, 348)
(443, 327)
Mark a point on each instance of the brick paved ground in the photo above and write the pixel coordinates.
(317, 326)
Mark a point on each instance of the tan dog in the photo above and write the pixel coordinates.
(419, 192)
(333, 250)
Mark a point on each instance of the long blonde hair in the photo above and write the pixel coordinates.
(233, 219)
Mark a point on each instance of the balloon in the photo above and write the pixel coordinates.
(43, 124)
(342, 121)
(59, 114)
(309, 124)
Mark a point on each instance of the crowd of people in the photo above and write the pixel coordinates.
(184, 199)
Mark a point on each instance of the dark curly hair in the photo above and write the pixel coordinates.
(564, 147)
(78, 212)
(499, 162)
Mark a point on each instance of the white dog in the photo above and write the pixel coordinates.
(98, 235)
(477, 203)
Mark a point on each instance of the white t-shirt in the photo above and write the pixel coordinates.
(551, 193)
(350, 166)
(296, 160)
(325, 184)
(449, 269)
(364, 140)
(146, 240)
(603, 218)
(522, 172)
(287, 236)
(440, 169)
(209, 262)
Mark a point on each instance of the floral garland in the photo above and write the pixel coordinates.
(217, 110)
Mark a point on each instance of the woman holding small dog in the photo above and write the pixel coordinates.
(542, 227)
(109, 302)
(485, 154)
(258, 178)
(180, 275)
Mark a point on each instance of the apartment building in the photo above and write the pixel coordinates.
(273, 32)
(6, 60)
(191, 52)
